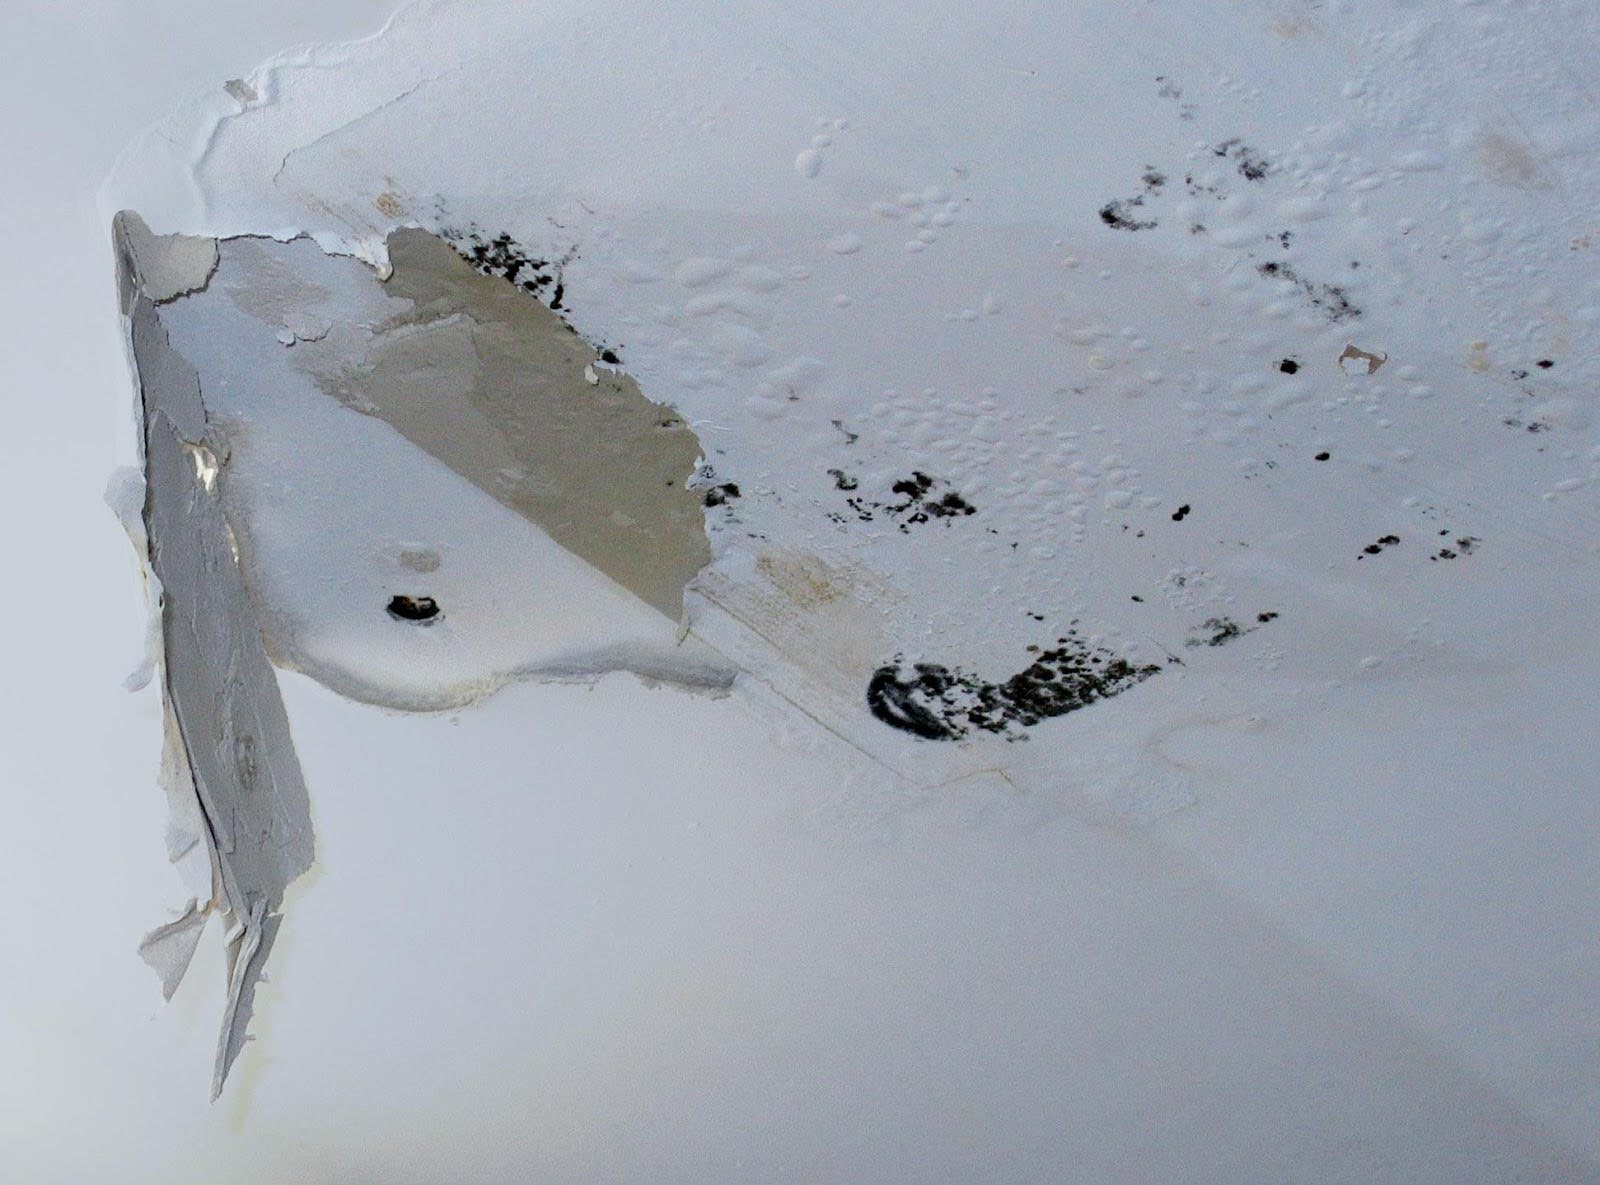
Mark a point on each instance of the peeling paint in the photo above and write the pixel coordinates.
(228, 739)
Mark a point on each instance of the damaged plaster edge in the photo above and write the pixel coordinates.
(711, 675)
(233, 780)
(181, 264)
(687, 663)
(163, 170)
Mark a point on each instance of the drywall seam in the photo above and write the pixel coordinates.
(231, 761)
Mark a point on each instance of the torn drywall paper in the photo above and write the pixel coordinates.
(169, 948)
(170, 265)
(222, 696)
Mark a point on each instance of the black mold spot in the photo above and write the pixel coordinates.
(419, 609)
(920, 502)
(1115, 215)
(1544, 364)
(1383, 542)
(913, 487)
(1220, 630)
(722, 494)
(1321, 457)
(1330, 298)
(1251, 164)
(611, 357)
(842, 480)
(1464, 546)
(1181, 513)
(502, 256)
(1288, 366)
(936, 703)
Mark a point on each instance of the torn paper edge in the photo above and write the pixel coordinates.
(233, 780)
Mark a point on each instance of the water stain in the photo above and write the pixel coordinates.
(806, 581)
(1508, 160)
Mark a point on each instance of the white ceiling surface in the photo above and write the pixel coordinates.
(1317, 905)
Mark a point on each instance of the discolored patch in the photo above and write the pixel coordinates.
(1359, 358)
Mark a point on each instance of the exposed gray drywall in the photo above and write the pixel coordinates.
(221, 691)
(534, 418)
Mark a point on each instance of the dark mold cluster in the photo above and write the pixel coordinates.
(502, 256)
(1218, 631)
(1463, 546)
(937, 703)
(922, 499)
(1330, 298)
(1118, 213)
(1251, 164)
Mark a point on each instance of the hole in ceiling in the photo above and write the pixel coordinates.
(420, 609)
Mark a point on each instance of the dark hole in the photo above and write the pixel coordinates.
(403, 608)
(1320, 457)
(1181, 513)
(1545, 364)
(1288, 366)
